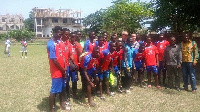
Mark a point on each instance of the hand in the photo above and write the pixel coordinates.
(178, 66)
(194, 64)
(92, 85)
(157, 64)
(128, 69)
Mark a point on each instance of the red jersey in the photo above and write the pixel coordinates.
(74, 52)
(107, 58)
(89, 61)
(150, 55)
(118, 55)
(54, 51)
(66, 51)
(138, 56)
(161, 48)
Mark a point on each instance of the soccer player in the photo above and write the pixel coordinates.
(7, 47)
(161, 44)
(76, 51)
(190, 57)
(24, 47)
(117, 60)
(138, 64)
(89, 44)
(79, 38)
(106, 66)
(105, 35)
(57, 68)
(127, 63)
(172, 58)
(90, 69)
(113, 39)
(124, 37)
(150, 61)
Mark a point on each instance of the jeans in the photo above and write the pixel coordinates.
(189, 70)
(173, 75)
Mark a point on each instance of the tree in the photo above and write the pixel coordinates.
(122, 15)
(180, 15)
(20, 34)
(29, 22)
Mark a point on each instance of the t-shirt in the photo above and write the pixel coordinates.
(149, 55)
(119, 56)
(66, 48)
(89, 61)
(161, 48)
(88, 46)
(107, 57)
(138, 56)
(131, 52)
(74, 52)
(54, 52)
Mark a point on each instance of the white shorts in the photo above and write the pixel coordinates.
(24, 49)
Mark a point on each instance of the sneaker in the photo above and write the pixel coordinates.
(128, 91)
(22, 56)
(178, 89)
(25, 57)
(112, 93)
(194, 91)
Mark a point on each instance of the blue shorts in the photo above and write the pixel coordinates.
(57, 85)
(116, 70)
(67, 71)
(138, 65)
(152, 69)
(90, 72)
(73, 75)
(105, 74)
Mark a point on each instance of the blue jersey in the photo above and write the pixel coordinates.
(131, 52)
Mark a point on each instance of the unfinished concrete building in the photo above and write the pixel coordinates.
(11, 22)
(46, 19)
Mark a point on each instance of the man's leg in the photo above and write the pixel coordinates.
(164, 75)
(149, 78)
(177, 78)
(51, 101)
(74, 84)
(185, 75)
(192, 76)
(170, 76)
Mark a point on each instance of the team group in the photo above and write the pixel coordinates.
(127, 56)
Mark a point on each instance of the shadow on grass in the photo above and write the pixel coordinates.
(81, 100)
(44, 105)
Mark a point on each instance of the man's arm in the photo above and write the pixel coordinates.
(179, 60)
(125, 56)
(196, 53)
(58, 65)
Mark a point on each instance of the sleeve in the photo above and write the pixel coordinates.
(105, 52)
(86, 61)
(196, 54)
(179, 61)
(86, 46)
(167, 43)
(52, 53)
(156, 50)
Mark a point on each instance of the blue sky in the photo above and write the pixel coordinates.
(25, 6)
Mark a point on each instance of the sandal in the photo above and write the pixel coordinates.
(149, 86)
(158, 87)
(92, 104)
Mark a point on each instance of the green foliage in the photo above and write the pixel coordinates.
(180, 15)
(29, 22)
(18, 34)
(122, 15)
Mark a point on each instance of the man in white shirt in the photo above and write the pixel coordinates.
(7, 47)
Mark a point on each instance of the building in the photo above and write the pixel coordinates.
(11, 22)
(46, 19)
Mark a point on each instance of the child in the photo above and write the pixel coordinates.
(138, 64)
(150, 61)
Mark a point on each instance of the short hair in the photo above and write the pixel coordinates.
(72, 33)
(100, 37)
(128, 39)
(125, 32)
(56, 29)
(95, 48)
(66, 29)
(91, 33)
(172, 37)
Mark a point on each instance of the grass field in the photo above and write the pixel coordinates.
(25, 86)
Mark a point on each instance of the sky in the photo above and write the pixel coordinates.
(25, 6)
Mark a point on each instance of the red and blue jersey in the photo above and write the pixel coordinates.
(66, 50)
(89, 62)
(74, 52)
(54, 51)
(88, 46)
(149, 55)
(161, 48)
(119, 56)
(107, 57)
(138, 56)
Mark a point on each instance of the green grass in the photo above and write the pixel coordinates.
(25, 86)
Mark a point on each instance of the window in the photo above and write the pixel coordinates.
(54, 20)
(3, 19)
(65, 20)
